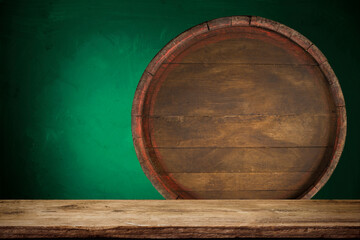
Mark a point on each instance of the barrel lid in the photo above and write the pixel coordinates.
(239, 107)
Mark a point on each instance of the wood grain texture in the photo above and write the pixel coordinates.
(244, 45)
(239, 107)
(228, 89)
(256, 159)
(259, 181)
(242, 131)
(244, 194)
(180, 219)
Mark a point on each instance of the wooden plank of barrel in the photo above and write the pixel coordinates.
(239, 107)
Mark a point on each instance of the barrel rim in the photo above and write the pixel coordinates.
(226, 22)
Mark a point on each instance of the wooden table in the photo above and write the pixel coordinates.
(180, 218)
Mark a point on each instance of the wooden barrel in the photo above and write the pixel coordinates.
(239, 107)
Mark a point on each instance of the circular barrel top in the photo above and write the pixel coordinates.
(239, 107)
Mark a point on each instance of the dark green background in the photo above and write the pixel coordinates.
(69, 70)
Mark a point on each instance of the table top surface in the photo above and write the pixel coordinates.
(179, 218)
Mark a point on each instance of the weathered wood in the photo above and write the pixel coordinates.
(243, 194)
(257, 159)
(249, 45)
(208, 89)
(236, 98)
(242, 131)
(284, 181)
(180, 219)
(240, 21)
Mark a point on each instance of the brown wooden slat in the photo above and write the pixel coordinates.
(243, 181)
(213, 89)
(202, 160)
(254, 194)
(179, 219)
(242, 131)
(244, 45)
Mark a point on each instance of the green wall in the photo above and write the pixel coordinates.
(69, 70)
